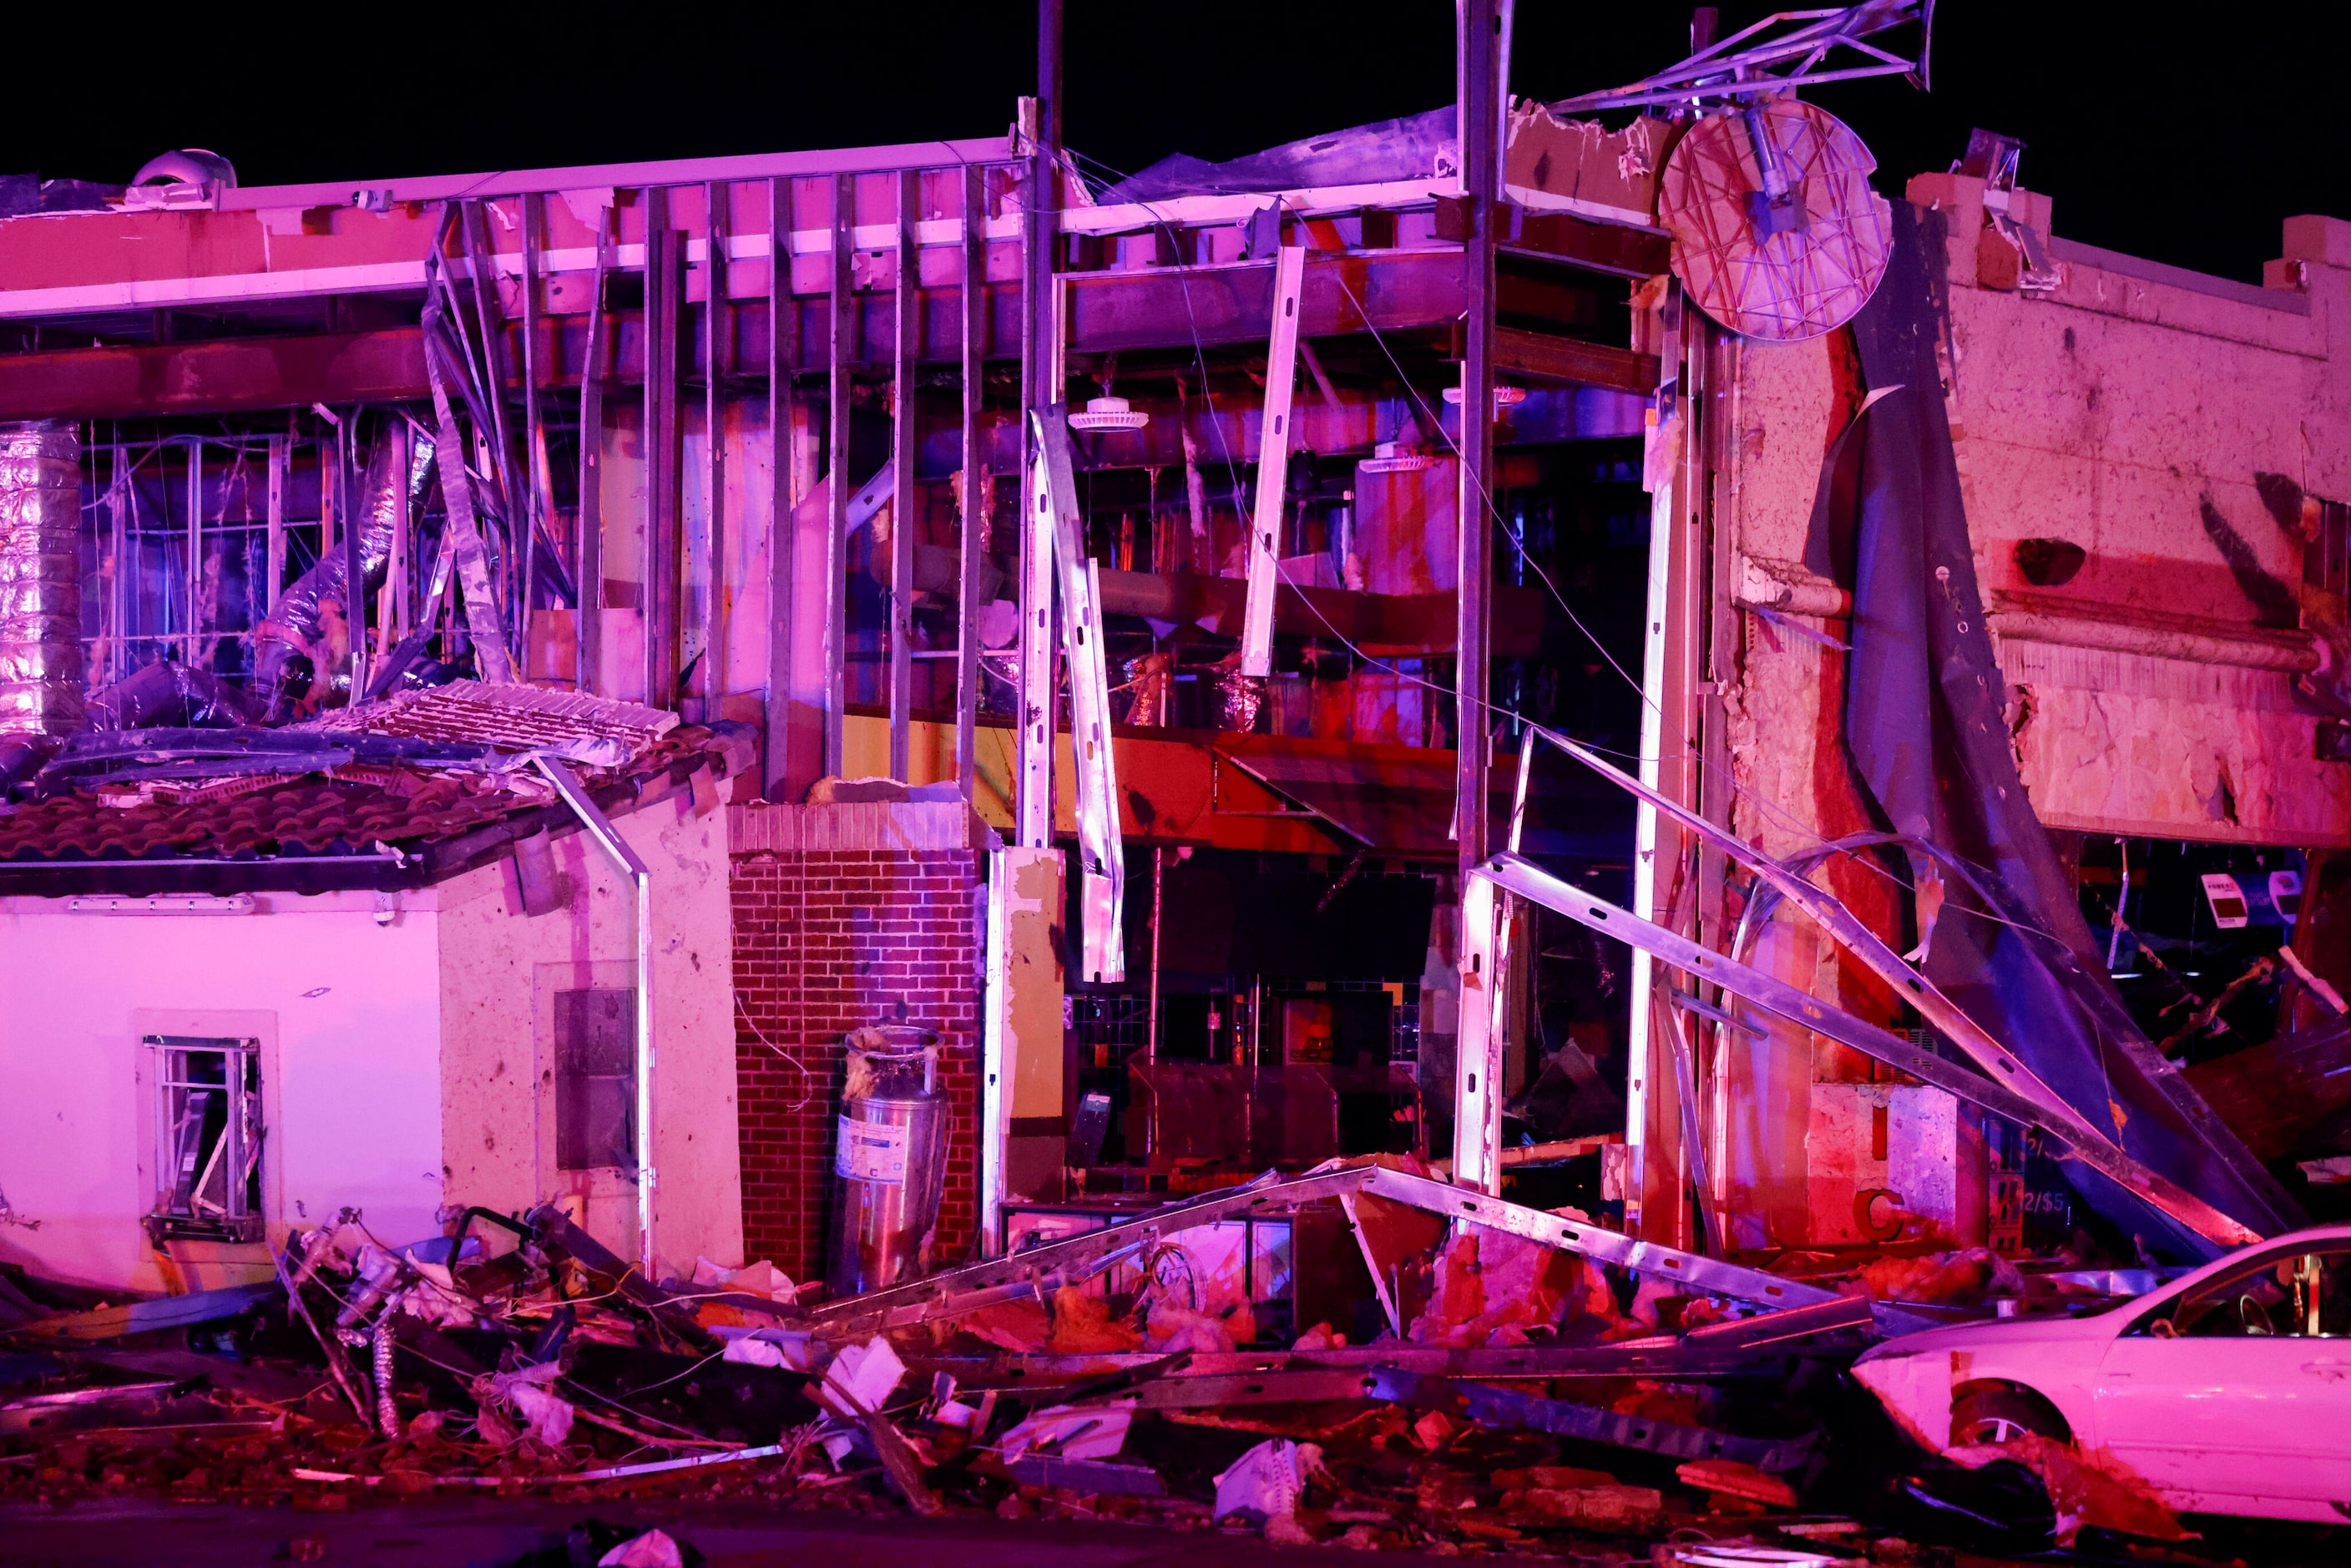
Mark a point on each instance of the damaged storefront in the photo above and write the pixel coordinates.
(1547, 826)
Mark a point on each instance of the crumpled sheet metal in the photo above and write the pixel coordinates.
(1102, 856)
(1516, 874)
(958, 1292)
(41, 680)
(1489, 1406)
(1417, 147)
(292, 629)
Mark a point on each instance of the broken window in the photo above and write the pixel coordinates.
(595, 1079)
(208, 1136)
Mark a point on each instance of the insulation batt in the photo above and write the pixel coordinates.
(1171, 1328)
(1492, 1287)
(1082, 1326)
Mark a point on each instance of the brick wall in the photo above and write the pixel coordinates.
(843, 916)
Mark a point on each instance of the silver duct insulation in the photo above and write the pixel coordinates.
(291, 647)
(41, 687)
(169, 696)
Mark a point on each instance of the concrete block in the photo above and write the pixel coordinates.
(1886, 1160)
(2316, 238)
(1846, 1145)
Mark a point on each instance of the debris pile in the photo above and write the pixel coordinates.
(1552, 1380)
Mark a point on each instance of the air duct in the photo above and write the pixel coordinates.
(41, 687)
(290, 648)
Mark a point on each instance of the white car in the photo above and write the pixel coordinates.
(2228, 1391)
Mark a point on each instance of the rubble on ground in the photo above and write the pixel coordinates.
(1539, 1397)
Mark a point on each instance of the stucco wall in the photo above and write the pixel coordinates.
(2130, 415)
(349, 1018)
(499, 972)
(407, 1062)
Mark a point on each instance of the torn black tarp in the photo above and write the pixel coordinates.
(1417, 147)
(1929, 741)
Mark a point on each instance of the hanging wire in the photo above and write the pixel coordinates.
(1780, 816)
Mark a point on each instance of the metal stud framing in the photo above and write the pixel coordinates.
(1273, 466)
(715, 337)
(781, 535)
(588, 551)
(662, 450)
(908, 331)
(836, 535)
(1477, 1120)
(974, 302)
(534, 429)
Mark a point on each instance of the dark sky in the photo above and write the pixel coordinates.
(2186, 142)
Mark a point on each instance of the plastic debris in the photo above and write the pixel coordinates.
(546, 1417)
(1265, 1483)
(759, 1279)
(861, 1379)
(1072, 1431)
(653, 1548)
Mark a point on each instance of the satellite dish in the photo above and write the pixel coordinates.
(1777, 234)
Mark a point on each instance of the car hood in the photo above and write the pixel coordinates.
(2004, 1333)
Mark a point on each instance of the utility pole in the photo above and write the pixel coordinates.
(1478, 1091)
(1020, 1048)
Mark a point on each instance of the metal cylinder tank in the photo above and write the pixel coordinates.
(42, 692)
(889, 1159)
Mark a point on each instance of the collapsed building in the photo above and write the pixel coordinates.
(1220, 662)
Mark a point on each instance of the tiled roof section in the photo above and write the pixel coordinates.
(598, 731)
(349, 812)
(310, 815)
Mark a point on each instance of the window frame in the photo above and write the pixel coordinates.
(241, 1218)
(2166, 1310)
(571, 1084)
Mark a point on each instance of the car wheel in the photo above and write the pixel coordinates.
(1991, 1415)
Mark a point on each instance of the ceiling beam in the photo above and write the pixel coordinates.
(1167, 307)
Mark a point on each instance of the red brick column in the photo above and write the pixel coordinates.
(827, 939)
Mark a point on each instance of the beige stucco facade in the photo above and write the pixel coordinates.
(2131, 411)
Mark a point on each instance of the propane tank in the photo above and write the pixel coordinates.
(889, 1159)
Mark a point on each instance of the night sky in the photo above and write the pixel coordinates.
(2186, 142)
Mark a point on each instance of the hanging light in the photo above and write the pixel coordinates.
(1389, 457)
(1109, 413)
(1504, 397)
